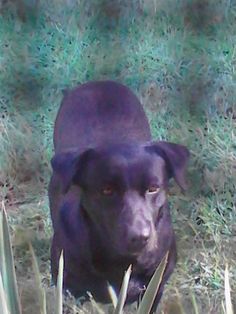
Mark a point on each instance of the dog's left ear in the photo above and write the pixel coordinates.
(176, 157)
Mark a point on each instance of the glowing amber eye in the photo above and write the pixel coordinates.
(153, 189)
(108, 190)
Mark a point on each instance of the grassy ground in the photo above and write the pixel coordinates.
(179, 57)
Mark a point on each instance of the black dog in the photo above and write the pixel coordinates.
(108, 192)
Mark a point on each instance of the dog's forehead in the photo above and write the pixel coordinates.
(135, 159)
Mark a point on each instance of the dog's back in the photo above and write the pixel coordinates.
(97, 113)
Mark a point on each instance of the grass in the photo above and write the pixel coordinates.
(179, 58)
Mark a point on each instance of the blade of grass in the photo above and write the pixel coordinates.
(179, 302)
(194, 302)
(95, 304)
(123, 292)
(113, 295)
(223, 307)
(40, 290)
(228, 302)
(7, 265)
(59, 295)
(3, 300)
(153, 287)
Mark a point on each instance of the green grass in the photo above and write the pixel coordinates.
(181, 64)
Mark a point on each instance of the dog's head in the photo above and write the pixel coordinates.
(123, 187)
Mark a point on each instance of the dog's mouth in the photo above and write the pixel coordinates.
(135, 251)
(132, 252)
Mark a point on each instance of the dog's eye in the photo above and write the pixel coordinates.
(107, 191)
(153, 189)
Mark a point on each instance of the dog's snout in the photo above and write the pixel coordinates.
(138, 237)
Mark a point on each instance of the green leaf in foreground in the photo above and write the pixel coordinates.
(123, 292)
(95, 305)
(3, 299)
(228, 302)
(40, 290)
(113, 295)
(59, 296)
(153, 287)
(194, 302)
(7, 268)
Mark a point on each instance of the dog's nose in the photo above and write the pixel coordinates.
(139, 238)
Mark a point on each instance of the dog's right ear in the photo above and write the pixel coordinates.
(70, 166)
